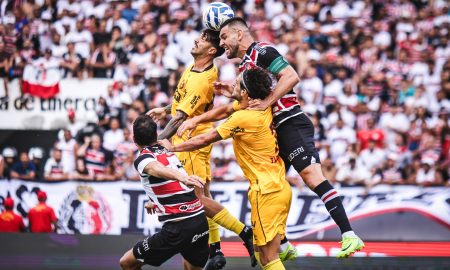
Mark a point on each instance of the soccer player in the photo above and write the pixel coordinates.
(173, 192)
(10, 221)
(42, 217)
(194, 95)
(256, 152)
(295, 132)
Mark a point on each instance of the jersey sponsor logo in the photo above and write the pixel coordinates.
(194, 101)
(189, 207)
(260, 50)
(85, 211)
(198, 236)
(236, 130)
(295, 153)
(145, 244)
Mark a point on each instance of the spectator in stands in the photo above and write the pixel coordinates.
(98, 160)
(67, 145)
(427, 174)
(4, 67)
(42, 217)
(54, 167)
(113, 136)
(36, 155)
(81, 172)
(353, 173)
(370, 133)
(82, 39)
(10, 221)
(9, 154)
(72, 62)
(391, 173)
(102, 62)
(24, 168)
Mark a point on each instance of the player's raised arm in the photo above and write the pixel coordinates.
(287, 79)
(194, 143)
(173, 125)
(216, 114)
(156, 169)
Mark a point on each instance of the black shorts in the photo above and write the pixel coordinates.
(295, 138)
(188, 237)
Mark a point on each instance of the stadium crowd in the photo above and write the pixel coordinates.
(375, 81)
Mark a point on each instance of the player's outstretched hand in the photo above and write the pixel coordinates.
(193, 181)
(166, 144)
(187, 125)
(157, 114)
(260, 105)
(151, 208)
(225, 89)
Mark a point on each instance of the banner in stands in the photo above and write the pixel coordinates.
(385, 213)
(36, 113)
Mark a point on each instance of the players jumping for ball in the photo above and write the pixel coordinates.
(194, 96)
(295, 131)
(256, 151)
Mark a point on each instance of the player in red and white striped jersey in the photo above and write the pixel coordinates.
(173, 197)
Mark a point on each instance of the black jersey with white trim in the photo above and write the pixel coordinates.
(265, 56)
(174, 200)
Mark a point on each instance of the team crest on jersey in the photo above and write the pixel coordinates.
(85, 211)
(236, 130)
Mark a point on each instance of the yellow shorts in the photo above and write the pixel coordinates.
(269, 214)
(197, 162)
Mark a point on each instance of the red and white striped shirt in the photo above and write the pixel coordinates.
(174, 200)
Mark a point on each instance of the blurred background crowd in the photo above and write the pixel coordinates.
(375, 80)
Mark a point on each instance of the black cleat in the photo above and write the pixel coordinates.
(217, 262)
(249, 246)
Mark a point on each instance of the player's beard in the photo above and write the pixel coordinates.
(233, 52)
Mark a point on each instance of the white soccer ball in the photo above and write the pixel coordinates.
(215, 14)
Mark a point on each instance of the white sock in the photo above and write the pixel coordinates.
(348, 234)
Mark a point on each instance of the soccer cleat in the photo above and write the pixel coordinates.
(289, 254)
(249, 246)
(217, 262)
(350, 244)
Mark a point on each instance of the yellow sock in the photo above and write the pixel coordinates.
(214, 235)
(274, 265)
(258, 259)
(228, 221)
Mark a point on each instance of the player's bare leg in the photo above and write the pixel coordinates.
(216, 212)
(129, 262)
(268, 255)
(316, 181)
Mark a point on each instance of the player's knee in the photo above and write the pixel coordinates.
(312, 175)
(125, 263)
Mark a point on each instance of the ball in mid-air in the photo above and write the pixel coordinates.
(215, 14)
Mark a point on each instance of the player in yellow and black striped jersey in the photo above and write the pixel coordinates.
(194, 96)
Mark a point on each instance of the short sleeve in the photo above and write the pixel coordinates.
(195, 98)
(53, 217)
(142, 161)
(233, 126)
(269, 58)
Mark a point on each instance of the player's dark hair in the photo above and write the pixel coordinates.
(257, 82)
(233, 22)
(144, 130)
(213, 37)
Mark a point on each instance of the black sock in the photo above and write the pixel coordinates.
(284, 240)
(333, 203)
(246, 233)
(214, 249)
